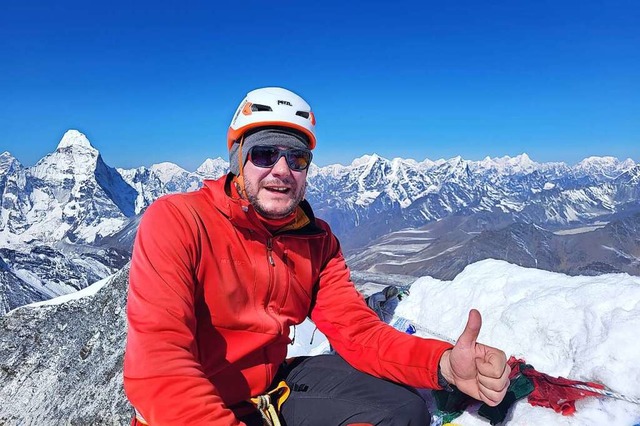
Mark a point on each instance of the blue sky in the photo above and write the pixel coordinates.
(159, 81)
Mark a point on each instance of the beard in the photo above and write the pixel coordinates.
(258, 196)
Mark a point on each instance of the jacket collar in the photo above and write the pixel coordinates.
(242, 214)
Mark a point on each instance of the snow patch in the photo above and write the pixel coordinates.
(578, 327)
(73, 138)
(85, 292)
(582, 229)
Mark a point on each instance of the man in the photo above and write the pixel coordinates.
(219, 275)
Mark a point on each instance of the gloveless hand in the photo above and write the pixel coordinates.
(478, 370)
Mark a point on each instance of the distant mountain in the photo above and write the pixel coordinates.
(76, 197)
(62, 220)
(52, 213)
(83, 214)
(166, 178)
(381, 196)
(14, 187)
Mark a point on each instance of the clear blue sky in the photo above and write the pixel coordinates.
(158, 81)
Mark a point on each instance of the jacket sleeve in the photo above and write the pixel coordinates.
(162, 376)
(361, 338)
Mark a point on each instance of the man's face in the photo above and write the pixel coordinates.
(274, 192)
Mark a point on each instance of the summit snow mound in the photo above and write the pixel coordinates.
(578, 327)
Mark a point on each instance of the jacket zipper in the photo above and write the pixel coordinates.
(271, 283)
(270, 251)
(267, 308)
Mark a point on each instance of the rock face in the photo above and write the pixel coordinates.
(62, 364)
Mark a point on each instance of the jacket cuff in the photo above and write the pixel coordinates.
(442, 382)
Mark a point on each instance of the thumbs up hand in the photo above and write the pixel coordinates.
(478, 370)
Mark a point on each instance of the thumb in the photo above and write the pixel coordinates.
(472, 329)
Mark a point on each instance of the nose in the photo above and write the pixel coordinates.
(281, 167)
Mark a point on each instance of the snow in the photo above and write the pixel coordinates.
(621, 253)
(582, 328)
(607, 167)
(306, 339)
(366, 197)
(166, 171)
(108, 226)
(508, 165)
(85, 292)
(7, 162)
(74, 138)
(582, 229)
(365, 160)
(213, 169)
(596, 347)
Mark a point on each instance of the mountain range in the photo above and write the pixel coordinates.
(70, 219)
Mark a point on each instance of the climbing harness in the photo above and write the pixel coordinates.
(270, 403)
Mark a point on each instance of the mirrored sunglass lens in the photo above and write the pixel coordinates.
(267, 156)
(298, 159)
(264, 156)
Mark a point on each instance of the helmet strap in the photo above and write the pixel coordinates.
(240, 177)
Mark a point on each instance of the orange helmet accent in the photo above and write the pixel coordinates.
(246, 110)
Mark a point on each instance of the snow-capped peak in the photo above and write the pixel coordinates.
(507, 164)
(6, 156)
(628, 164)
(74, 138)
(74, 159)
(166, 171)
(597, 162)
(456, 161)
(7, 161)
(607, 166)
(213, 168)
(365, 160)
(522, 162)
(427, 163)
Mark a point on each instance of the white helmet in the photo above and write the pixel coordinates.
(272, 106)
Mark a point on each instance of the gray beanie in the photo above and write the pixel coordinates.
(271, 136)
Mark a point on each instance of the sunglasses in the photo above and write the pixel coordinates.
(267, 156)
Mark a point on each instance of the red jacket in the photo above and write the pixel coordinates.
(212, 296)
